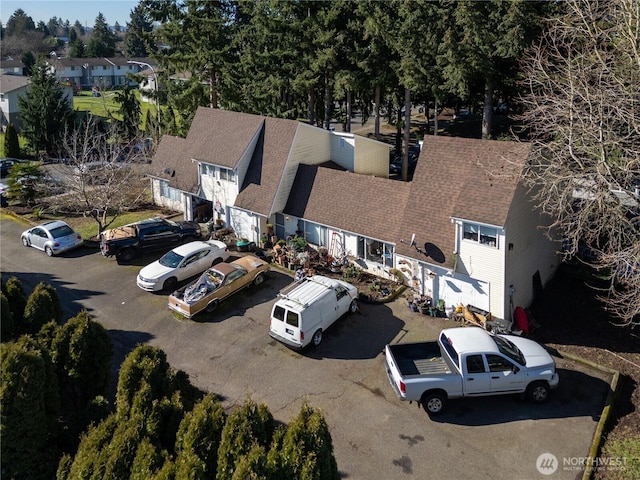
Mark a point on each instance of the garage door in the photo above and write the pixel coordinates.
(464, 290)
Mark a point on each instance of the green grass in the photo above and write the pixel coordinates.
(87, 226)
(103, 106)
(106, 105)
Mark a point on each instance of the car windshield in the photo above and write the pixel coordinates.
(61, 231)
(509, 349)
(171, 259)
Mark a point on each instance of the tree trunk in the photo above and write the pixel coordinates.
(347, 123)
(213, 90)
(311, 105)
(376, 112)
(327, 102)
(407, 134)
(435, 115)
(487, 111)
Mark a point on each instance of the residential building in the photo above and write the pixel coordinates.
(463, 230)
(11, 88)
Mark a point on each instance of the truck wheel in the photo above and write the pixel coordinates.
(127, 254)
(170, 283)
(433, 403)
(258, 280)
(538, 392)
(353, 308)
(212, 306)
(317, 338)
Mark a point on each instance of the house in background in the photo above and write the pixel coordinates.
(100, 73)
(11, 88)
(462, 230)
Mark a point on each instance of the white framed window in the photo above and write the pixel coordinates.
(480, 234)
(227, 175)
(208, 170)
(169, 192)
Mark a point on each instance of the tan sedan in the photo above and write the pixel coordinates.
(216, 284)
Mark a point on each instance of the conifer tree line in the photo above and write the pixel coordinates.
(318, 60)
(55, 418)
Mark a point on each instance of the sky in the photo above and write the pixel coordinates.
(85, 11)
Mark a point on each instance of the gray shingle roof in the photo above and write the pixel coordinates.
(9, 83)
(462, 178)
(363, 204)
(267, 166)
(221, 137)
(172, 162)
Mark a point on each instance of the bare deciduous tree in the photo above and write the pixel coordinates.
(102, 177)
(583, 113)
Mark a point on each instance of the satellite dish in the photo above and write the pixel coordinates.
(413, 239)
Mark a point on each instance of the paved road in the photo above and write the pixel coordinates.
(375, 435)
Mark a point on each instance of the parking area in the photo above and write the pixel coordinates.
(375, 435)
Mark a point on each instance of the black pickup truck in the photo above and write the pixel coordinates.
(135, 239)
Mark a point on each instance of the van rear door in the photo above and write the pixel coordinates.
(285, 324)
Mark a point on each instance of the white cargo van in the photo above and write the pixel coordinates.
(308, 307)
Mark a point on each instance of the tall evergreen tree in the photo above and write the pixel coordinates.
(102, 42)
(130, 111)
(27, 405)
(11, 142)
(18, 24)
(138, 33)
(248, 425)
(199, 33)
(82, 350)
(28, 61)
(45, 111)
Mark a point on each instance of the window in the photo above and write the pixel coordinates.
(227, 175)
(292, 318)
(168, 192)
(314, 233)
(475, 364)
(374, 250)
(278, 313)
(498, 364)
(208, 170)
(480, 234)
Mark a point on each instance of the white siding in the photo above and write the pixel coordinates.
(371, 157)
(531, 252)
(245, 224)
(464, 290)
(485, 263)
(311, 146)
(343, 150)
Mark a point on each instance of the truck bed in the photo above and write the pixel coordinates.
(419, 359)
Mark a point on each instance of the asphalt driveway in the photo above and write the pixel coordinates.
(375, 435)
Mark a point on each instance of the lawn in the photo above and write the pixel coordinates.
(84, 225)
(103, 106)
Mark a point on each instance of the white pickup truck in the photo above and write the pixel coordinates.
(469, 362)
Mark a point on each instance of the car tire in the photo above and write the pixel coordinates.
(212, 306)
(258, 280)
(188, 239)
(48, 250)
(433, 403)
(170, 284)
(353, 308)
(538, 392)
(216, 261)
(25, 242)
(316, 340)
(127, 254)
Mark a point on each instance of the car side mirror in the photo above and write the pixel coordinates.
(515, 369)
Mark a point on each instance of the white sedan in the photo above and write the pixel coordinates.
(181, 263)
